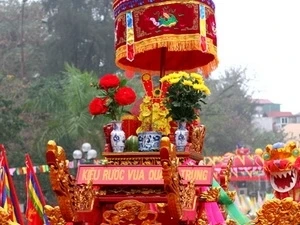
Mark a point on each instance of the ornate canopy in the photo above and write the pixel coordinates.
(176, 35)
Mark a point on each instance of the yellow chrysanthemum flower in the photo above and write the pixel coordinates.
(206, 90)
(197, 76)
(202, 87)
(184, 74)
(180, 84)
(163, 79)
(176, 75)
(197, 87)
(174, 80)
(187, 82)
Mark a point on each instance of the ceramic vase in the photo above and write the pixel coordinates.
(181, 136)
(149, 141)
(117, 137)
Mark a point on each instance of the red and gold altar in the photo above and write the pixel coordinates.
(140, 188)
(169, 187)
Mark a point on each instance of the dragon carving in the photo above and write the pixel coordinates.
(282, 165)
(130, 212)
(61, 180)
(172, 182)
(277, 212)
(5, 217)
(72, 198)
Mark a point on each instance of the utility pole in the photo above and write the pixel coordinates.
(22, 41)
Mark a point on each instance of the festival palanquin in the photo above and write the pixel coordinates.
(152, 170)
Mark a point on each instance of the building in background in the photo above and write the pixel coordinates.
(264, 106)
(269, 117)
(292, 130)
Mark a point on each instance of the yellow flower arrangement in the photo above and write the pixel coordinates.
(153, 116)
(185, 95)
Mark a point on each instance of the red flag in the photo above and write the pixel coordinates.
(35, 199)
(8, 196)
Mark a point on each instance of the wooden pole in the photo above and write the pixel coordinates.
(163, 61)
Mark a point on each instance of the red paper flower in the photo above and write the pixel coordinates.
(109, 81)
(112, 97)
(98, 106)
(125, 96)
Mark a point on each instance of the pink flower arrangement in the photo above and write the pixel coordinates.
(113, 97)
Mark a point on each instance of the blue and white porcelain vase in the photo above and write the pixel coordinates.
(117, 137)
(181, 136)
(149, 141)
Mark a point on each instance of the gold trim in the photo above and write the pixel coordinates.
(54, 215)
(139, 158)
(71, 198)
(231, 222)
(174, 42)
(211, 195)
(5, 216)
(130, 212)
(198, 136)
(130, 191)
(276, 211)
(164, 3)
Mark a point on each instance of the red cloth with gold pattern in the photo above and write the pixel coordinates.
(185, 29)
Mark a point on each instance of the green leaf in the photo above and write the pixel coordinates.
(127, 112)
(123, 82)
(175, 103)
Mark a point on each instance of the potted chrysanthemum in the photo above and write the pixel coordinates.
(111, 101)
(184, 98)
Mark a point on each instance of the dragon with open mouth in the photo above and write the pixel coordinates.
(282, 166)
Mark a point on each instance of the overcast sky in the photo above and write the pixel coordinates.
(264, 36)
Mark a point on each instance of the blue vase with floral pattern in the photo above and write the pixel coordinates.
(181, 137)
(117, 137)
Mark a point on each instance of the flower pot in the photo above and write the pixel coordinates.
(117, 137)
(149, 141)
(181, 136)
